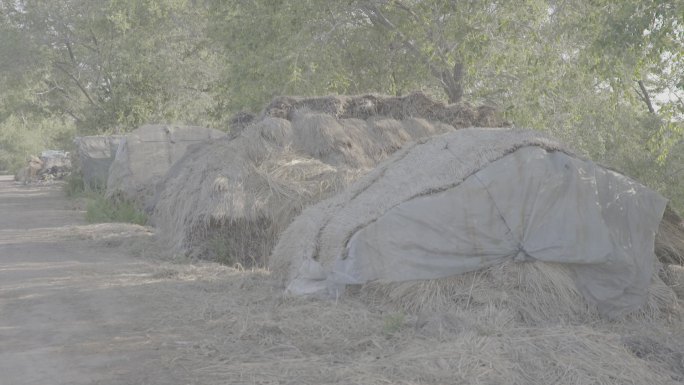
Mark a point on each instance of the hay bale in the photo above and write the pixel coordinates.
(471, 199)
(239, 195)
(240, 189)
(145, 155)
(265, 177)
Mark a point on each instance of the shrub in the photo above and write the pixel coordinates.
(74, 185)
(19, 139)
(101, 209)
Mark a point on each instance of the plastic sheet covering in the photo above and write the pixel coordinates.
(95, 155)
(147, 153)
(530, 205)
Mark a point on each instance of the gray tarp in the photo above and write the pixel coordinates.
(531, 204)
(147, 153)
(95, 155)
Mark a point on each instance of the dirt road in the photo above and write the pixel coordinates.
(77, 308)
(100, 304)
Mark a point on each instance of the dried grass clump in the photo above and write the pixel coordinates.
(257, 337)
(669, 242)
(555, 355)
(413, 105)
(673, 276)
(242, 192)
(536, 292)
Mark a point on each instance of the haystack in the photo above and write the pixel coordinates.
(670, 239)
(145, 155)
(95, 156)
(231, 199)
(474, 200)
(413, 105)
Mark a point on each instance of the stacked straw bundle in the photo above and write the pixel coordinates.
(235, 196)
(315, 254)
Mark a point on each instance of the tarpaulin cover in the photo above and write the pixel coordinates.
(147, 153)
(95, 155)
(532, 204)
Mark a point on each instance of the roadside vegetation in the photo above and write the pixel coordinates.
(602, 76)
(100, 209)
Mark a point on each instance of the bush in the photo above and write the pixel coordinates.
(100, 209)
(19, 139)
(75, 186)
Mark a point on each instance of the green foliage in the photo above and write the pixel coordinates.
(20, 138)
(112, 65)
(393, 323)
(100, 209)
(586, 71)
(74, 186)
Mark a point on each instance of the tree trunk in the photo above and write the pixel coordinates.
(453, 83)
(646, 98)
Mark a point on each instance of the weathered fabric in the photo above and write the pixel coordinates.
(477, 197)
(145, 155)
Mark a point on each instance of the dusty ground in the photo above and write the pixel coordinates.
(100, 304)
(77, 308)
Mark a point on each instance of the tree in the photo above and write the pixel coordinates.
(604, 76)
(116, 64)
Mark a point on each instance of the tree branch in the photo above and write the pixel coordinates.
(645, 97)
(451, 79)
(79, 85)
(406, 9)
(379, 19)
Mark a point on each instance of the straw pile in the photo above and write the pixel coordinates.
(413, 105)
(254, 336)
(534, 293)
(267, 340)
(309, 251)
(669, 245)
(230, 199)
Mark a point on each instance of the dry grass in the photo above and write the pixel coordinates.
(537, 292)
(670, 239)
(254, 335)
(413, 105)
(221, 325)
